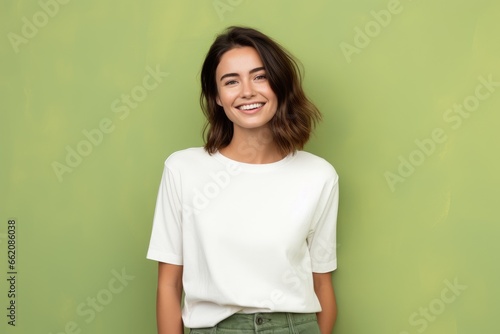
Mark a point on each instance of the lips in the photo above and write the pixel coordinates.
(251, 106)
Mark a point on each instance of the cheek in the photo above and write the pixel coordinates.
(217, 98)
(270, 94)
(226, 98)
(274, 100)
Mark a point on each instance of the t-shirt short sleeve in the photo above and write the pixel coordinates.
(322, 238)
(166, 236)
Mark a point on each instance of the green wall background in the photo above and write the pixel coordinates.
(410, 123)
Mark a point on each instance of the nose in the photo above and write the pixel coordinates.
(247, 89)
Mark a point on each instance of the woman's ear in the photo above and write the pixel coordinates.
(217, 99)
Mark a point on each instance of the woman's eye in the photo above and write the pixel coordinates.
(230, 82)
(260, 77)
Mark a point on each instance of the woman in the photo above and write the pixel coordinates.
(246, 225)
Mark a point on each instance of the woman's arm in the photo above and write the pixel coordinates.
(323, 287)
(168, 299)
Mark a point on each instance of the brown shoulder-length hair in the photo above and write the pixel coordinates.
(295, 117)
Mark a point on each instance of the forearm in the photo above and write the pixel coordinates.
(328, 314)
(168, 299)
(168, 310)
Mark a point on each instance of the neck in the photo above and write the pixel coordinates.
(253, 146)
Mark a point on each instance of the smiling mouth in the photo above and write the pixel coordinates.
(252, 106)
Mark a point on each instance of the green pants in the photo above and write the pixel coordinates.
(264, 323)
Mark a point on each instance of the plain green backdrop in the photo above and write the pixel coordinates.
(410, 94)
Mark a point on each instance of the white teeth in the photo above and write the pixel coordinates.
(251, 106)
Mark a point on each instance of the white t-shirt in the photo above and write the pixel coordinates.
(248, 236)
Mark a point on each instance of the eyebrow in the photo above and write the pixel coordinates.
(257, 69)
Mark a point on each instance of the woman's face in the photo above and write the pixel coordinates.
(243, 89)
